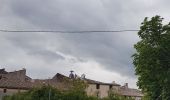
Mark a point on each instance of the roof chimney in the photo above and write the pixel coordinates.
(2, 71)
(126, 85)
(83, 76)
(113, 82)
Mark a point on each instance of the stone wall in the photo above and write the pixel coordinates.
(101, 92)
(9, 92)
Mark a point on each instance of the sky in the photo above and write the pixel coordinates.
(103, 56)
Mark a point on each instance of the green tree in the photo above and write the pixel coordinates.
(42, 93)
(152, 59)
(115, 96)
(76, 91)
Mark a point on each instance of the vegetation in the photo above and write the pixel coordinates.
(152, 59)
(49, 93)
(115, 96)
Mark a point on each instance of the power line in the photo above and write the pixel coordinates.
(57, 31)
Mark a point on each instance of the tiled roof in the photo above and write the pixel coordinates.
(59, 77)
(2, 71)
(14, 84)
(54, 83)
(16, 79)
(19, 80)
(98, 82)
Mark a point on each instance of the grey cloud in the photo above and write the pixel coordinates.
(47, 55)
(34, 45)
(103, 48)
(112, 50)
(61, 14)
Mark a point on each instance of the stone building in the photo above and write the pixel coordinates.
(129, 92)
(13, 82)
(18, 81)
(100, 89)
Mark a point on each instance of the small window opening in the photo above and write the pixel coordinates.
(97, 86)
(111, 86)
(5, 90)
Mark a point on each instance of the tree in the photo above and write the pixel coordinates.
(152, 59)
(116, 96)
(76, 91)
(41, 93)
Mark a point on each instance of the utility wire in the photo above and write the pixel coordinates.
(57, 31)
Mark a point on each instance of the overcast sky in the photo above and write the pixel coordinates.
(101, 56)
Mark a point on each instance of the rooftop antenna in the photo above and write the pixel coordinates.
(83, 76)
(71, 74)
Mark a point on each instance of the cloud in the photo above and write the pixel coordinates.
(42, 53)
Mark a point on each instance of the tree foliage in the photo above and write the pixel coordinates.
(115, 96)
(50, 93)
(152, 59)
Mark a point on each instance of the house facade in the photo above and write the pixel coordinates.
(18, 81)
(101, 90)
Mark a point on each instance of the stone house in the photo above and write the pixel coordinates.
(100, 89)
(129, 92)
(18, 81)
(13, 82)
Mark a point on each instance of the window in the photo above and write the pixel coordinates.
(97, 86)
(110, 86)
(0, 77)
(5, 90)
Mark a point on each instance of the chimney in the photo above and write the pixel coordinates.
(113, 82)
(23, 71)
(83, 76)
(2, 71)
(126, 85)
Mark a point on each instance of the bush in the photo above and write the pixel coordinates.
(49, 93)
(46, 93)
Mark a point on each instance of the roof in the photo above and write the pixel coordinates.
(60, 77)
(101, 83)
(2, 71)
(14, 84)
(19, 80)
(16, 79)
(130, 92)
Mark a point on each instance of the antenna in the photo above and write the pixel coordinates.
(83, 76)
(71, 74)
